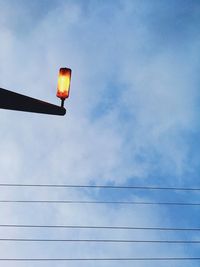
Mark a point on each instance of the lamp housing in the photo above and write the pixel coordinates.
(64, 79)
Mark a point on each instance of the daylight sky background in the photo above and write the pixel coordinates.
(132, 119)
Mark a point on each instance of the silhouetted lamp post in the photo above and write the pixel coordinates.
(14, 101)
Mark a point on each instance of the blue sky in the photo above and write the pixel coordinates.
(132, 118)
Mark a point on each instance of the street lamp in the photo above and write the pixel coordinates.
(63, 87)
(14, 101)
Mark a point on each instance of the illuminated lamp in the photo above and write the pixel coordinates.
(63, 87)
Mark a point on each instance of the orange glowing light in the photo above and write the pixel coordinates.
(64, 79)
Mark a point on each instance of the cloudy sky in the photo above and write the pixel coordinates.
(132, 119)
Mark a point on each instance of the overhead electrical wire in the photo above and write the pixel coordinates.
(105, 259)
(102, 186)
(102, 202)
(100, 227)
(100, 240)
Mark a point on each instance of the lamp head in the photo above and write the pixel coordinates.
(64, 79)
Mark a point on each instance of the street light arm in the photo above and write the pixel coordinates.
(14, 101)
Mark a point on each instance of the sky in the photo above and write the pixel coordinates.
(132, 119)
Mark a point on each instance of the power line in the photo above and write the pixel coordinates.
(101, 241)
(102, 186)
(102, 202)
(99, 227)
(104, 259)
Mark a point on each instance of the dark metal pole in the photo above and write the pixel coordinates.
(14, 101)
(62, 102)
